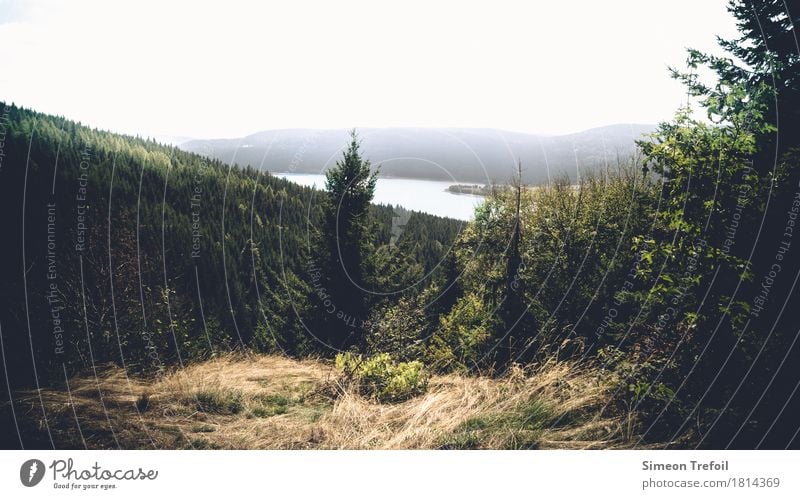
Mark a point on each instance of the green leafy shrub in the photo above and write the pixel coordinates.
(383, 378)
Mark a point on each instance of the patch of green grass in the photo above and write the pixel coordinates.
(270, 404)
(467, 436)
(297, 390)
(518, 429)
(204, 429)
(219, 401)
(305, 389)
(266, 405)
(533, 415)
(312, 413)
(273, 399)
(305, 386)
(268, 411)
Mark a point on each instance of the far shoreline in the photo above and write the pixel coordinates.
(456, 188)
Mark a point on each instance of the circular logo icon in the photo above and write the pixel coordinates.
(31, 472)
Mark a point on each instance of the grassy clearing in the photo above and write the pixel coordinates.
(270, 402)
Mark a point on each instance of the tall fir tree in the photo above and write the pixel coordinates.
(350, 188)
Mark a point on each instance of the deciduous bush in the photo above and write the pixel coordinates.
(381, 377)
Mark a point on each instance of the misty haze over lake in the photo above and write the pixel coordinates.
(457, 155)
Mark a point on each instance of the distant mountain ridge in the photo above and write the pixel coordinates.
(476, 155)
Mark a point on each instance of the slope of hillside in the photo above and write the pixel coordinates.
(121, 249)
(453, 154)
(271, 402)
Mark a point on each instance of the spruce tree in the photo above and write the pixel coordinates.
(350, 187)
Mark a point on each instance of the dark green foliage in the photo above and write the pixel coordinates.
(345, 242)
(576, 250)
(463, 339)
(764, 60)
(176, 257)
(680, 282)
(721, 258)
(516, 320)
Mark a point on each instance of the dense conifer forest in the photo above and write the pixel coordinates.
(124, 250)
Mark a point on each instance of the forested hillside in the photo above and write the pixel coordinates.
(120, 249)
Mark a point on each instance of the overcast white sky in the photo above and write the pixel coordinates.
(227, 68)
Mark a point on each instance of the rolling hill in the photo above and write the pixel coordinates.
(456, 154)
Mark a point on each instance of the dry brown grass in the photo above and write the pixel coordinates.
(270, 402)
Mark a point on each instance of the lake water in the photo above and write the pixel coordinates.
(429, 196)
